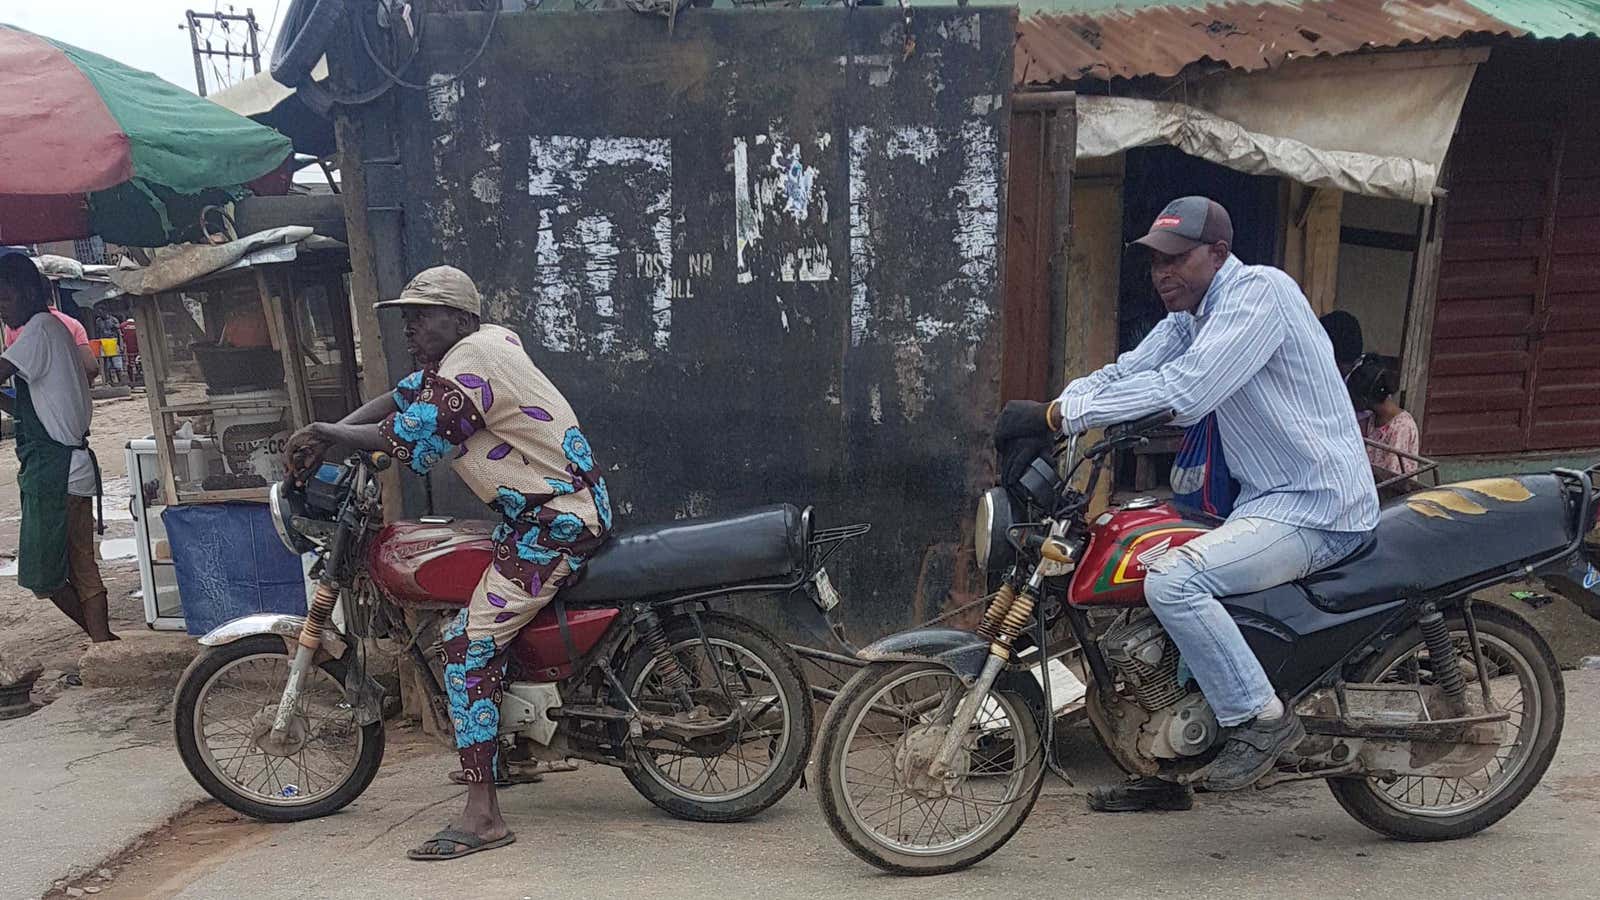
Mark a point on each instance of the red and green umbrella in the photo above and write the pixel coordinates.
(90, 146)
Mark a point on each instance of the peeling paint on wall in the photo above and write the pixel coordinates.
(444, 94)
(807, 264)
(746, 227)
(977, 203)
(855, 367)
(579, 246)
(861, 253)
(967, 31)
(486, 186)
(919, 142)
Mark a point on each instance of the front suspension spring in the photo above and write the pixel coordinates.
(995, 615)
(1017, 617)
(1443, 658)
(317, 615)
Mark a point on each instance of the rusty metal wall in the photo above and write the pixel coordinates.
(761, 255)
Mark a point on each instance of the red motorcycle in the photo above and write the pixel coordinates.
(1429, 716)
(705, 712)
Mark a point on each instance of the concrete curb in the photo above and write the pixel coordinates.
(148, 658)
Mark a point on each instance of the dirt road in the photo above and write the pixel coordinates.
(586, 834)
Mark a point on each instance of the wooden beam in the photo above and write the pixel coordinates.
(1417, 351)
(364, 283)
(1063, 162)
(1094, 278)
(281, 325)
(152, 347)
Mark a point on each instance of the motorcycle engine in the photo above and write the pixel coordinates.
(1181, 722)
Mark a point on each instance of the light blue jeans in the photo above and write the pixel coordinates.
(1244, 555)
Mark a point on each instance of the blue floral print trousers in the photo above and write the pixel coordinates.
(476, 648)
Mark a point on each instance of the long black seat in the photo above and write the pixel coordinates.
(1434, 538)
(765, 544)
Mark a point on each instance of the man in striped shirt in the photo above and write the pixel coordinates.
(1243, 342)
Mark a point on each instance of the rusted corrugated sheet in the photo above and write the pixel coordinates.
(1162, 40)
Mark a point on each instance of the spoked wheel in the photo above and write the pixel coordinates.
(877, 742)
(740, 770)
(226, 703)
(1524, 681)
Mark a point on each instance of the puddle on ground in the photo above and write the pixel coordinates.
(116, 549)
(117, 494)
(111, 550)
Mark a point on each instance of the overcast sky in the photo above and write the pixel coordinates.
(145, 34)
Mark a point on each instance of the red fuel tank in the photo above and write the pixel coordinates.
(430, 565)
(1122, 543)
(425, 565)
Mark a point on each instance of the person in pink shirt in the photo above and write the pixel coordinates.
(1372, 387)
(80, 336)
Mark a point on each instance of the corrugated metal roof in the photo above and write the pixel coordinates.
(1084, 39)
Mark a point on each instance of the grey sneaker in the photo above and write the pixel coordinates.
(1251, 751)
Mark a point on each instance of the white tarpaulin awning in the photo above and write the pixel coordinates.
(1373, 124)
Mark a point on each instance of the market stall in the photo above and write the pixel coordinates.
(242, 343)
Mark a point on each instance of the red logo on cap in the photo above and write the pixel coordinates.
(1168, 222)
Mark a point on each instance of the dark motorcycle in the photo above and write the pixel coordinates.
(1430, 716)
(706, 713)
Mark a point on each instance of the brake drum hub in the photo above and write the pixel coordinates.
(913, 756)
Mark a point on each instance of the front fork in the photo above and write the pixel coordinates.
(317, 616)
(1003, 621)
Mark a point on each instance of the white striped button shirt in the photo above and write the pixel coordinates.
(1254, 353)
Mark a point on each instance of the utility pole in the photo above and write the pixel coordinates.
(250, 50)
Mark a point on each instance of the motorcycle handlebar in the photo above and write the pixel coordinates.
(1129, 433)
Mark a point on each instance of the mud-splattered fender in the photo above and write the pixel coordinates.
(962, 652)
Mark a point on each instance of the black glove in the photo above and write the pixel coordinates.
(1021, 418)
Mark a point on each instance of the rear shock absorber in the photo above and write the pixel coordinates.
(1444, 659)
(673, 678)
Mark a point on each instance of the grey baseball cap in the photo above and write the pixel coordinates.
(445, 286)
(1186, 223)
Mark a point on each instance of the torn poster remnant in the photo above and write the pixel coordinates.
(780, 209)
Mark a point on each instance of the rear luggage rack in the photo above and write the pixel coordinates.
(825, 541)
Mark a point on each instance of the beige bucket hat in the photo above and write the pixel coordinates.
(445, 286)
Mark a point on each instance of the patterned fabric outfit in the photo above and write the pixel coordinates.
(514, 441)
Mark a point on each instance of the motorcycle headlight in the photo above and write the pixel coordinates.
(994, 518)
(284, 508)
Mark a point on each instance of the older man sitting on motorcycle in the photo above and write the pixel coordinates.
(1243, 342)
(478, 402)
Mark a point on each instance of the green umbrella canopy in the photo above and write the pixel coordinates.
(92, 146)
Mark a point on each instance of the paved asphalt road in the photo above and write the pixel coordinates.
(587, 835)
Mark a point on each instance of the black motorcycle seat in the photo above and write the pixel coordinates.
(767, 544)
(1434, 538)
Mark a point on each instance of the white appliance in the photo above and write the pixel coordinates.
(158, 581)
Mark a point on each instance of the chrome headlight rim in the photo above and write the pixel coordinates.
(982, 524)
(991, 524)
(281, 511)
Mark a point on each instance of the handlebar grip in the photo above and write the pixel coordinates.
(1146, 423)
(379, 461)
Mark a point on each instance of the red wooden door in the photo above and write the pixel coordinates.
(1515, 361)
